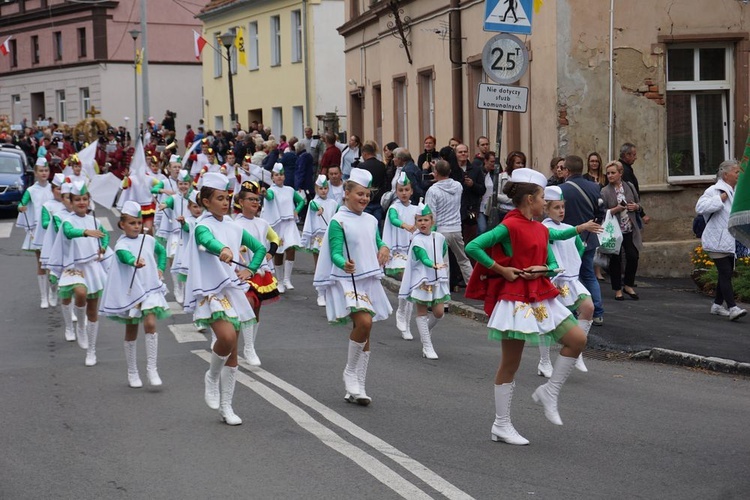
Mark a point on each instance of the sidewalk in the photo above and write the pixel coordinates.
(670, 323)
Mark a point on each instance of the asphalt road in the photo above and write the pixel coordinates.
(632, 429)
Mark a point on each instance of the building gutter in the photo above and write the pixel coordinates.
(457, 88)
(306, 118)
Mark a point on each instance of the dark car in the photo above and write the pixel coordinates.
(13, 179)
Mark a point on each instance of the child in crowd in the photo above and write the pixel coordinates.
(335, 184)
(180, 267)
(174, 208)
(319, 212)
(46, 231)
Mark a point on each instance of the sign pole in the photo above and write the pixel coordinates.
(494, 212)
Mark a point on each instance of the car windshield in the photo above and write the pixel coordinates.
(10, 165)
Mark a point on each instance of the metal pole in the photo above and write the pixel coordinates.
(135, 86)
(144, 63)
(494, 214)
(232, 116)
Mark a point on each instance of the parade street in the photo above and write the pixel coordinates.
(632, 429)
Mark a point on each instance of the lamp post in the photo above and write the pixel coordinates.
(134, 34)
(227, 40)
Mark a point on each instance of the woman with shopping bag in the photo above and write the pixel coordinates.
(622, 201)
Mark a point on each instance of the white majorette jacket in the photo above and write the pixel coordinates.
(360, 233)
(118, 298)
(207, 275)
(258, 229)
(80, 250)
(398, 239)
(417, 274)
(40, 235)
(281, 207)
(566, 251)
(315, 225)
(182, 255)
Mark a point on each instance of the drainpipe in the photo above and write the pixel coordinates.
(307, 114)
(611, 123)
(456, 57)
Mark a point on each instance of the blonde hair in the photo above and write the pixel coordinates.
(616, 164)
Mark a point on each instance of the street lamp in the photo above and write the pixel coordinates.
(135, 34)
(227, 40)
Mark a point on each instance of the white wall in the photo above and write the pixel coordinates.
(327, 49)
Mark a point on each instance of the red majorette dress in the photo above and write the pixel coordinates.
(521, 309)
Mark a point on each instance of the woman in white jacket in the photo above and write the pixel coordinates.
(715, 205)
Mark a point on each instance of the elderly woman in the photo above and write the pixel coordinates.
(622, 200)
(715, 205)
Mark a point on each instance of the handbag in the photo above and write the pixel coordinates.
(601, 259)
(387, 200)
(610, 239)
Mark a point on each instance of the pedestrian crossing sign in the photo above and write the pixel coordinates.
(508, 16)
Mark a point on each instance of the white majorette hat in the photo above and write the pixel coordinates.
(131, 208)
(321, 181)
(41, 162)
(553, 193)
(528, 176)
(58, 180)
(193, 196)
(78, 188)
(175, 159)
(278, 168)
(215, 180)
(184, 176)
(403, 179)
(361, 176)
(66, 187)
(423, 209)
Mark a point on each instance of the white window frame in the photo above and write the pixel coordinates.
(218, 122)
(427, 96)
(296, 36)
(402, 117)
(253, 62)
(85, 101)
(60, 106)
(277, 121)
(696, 86)
(218, 56)
(298, 121)
(275, 40)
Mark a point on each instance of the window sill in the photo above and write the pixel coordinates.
(276, 65)
(257, 68)
(703, 180)
(297, 62)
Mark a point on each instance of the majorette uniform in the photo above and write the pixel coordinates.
(170, 228)
(278, 210)
(263, 289)
(396, 238)
(336, 193)
(180, 261)
(33, 199)
(315, 226)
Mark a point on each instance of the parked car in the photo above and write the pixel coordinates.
(28, 166)
(13, 179)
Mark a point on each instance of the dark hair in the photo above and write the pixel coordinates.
(574, 164)
(517, 191)
(368, 148)
(205, 194)
(554, 161)
(391, 146)
(511, 159)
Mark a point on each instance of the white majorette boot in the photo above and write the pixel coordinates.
(249, 334)
(67, 312)
(92, 331)
(134, 380)
(52, 294)
(228, 376)
(362, 398)
(280, 278)
(547, 394)
(42, 281)
(406, 334)
(152, 349)
(288, 266)
(400, 321)
(179, 291)
(351, 378)
(424, 334)
(211, 379)
(502, 429)
(321, 299)
(585, 324)
(544, 368)
(81, 336)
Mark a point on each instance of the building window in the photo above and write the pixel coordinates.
(700, 99)
(234, 59)
(275, 41)
(298, 121)
(13, 53)
(81, 42)
(354, 8)
(399, 112)
(296, 36)
(377, 113)
(218, 122)
(252, 41)
(85, 101)
(277, 122)
(218, 58)
(16, 110)
(34, 49)
(60, 98)
(426, 104)
(57, 45)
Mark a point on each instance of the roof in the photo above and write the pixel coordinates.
(213, 5)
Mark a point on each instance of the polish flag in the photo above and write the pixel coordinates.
(5, 47)
(199, 42)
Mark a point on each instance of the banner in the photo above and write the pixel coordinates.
(739, 220)
(239, 43)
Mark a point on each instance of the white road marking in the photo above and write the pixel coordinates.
(175, 308)
(105, 223)
(416, 468)
(186, 333)
(370, 464)
(6, 228)
(115, 211)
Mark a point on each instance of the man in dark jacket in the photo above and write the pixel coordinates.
(379, 181)
(474, 189)
(582, 205)
(402, 159)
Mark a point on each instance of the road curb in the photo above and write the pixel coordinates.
(655, 354)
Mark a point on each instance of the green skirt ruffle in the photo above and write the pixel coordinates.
(430, 303)
(348, 319)
(394, 273)
(159, 312)
(222, 316)
(182, 277)
(66, 292)
(581, 298)
(548, 338)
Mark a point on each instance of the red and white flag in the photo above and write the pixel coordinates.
(199, 42)
(5, 47)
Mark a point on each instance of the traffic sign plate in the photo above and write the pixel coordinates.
(502, 97)
(508, 16)
(505, 58)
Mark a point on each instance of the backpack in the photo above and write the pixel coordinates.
(699, 224)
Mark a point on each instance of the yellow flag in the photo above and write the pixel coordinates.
(138, 60)
(537, 5)
(239, 43)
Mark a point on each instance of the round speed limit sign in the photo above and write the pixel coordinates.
(505, 58)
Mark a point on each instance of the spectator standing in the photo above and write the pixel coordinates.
(628, 155)
(331, 155)
(559, 173)
(304, 172)
(379, 180)
(350, 156)
(715, 205)
(484, 205)
(582, 205)
(444, 198)
(189, 136)
(402, 159)
(313, 145)
(594, 170)
(289, 160)
(473, 190)
(390, 166)
(429, 154)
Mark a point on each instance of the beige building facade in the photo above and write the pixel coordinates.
(670, 77)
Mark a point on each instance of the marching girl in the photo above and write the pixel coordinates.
(84, 242)
(216, 286)
(263, 286)
(139, 185)
(157, 188)
(179, 268)
(174, 207)
(398, 232)
(135, 293)
(349, 271)
(75, 171)
(568, 249)
(52, 260)
(30, 213)
(319, 212)
(282, 206)
(46, 225)
(209, 165)
(521, 300)
(425, 281)
(166, 187)
(250, 171)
